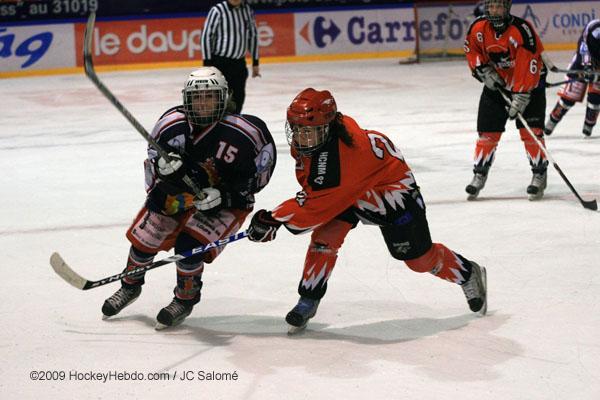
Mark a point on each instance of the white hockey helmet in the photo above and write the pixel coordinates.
(205, 96)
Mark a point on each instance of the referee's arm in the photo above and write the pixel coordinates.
(210, 27)
(253, 45)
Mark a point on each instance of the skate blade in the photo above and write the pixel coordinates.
(472, 197)
(483, 310)
(294, 330)
(160, 327)
(536, 197)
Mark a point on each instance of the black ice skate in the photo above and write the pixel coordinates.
(475, 289)
(537, 185)
(476, 185)
(301, 313)
(549, 128)
(587, 130)
(120, 299)
(174, 313)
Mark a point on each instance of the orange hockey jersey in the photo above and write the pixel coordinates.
(371, 176)
(515, 53)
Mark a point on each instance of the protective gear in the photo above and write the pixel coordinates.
(205, 96)
(535, 190)
(263, 227)
(488, 75)
(211, 199)
(589, 75)
(308, 119)
(498, 13)
(172, 169)
(518, 104)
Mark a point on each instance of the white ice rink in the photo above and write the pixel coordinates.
(72, 180)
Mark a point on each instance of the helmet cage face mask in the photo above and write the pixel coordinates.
(499, 22)
(306, 139)
(308, 120)
(205, 97)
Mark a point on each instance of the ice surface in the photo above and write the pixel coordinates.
(72, 180)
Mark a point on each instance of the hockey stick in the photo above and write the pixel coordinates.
(553, 84)
(91, 74)
(64, 271)
(554, 68)
(589, 204)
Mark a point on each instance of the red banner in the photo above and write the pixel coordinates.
(169, 40)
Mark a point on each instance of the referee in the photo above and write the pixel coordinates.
(230, 30)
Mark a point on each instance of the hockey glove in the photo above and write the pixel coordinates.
(263, 227)
(518, 104)
(488, 75)
(172, 170)
(589, 75)
(211, 200)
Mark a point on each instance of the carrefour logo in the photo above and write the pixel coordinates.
(321, 29)
(372, 29)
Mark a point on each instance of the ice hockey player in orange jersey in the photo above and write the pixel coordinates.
(349, 174)
(504, 53)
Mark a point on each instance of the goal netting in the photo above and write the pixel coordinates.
(440, 29)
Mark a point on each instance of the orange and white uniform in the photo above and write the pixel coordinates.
(368, 181)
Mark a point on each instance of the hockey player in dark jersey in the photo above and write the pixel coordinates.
(504, 52)
(349, 174)
(230, 156)
(587, 59)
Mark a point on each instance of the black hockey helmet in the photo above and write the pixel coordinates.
(593, 43)
(498, 13)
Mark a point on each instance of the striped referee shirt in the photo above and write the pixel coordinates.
(229, 32)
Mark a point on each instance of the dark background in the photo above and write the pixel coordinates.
(52, 10)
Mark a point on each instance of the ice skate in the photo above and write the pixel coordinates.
(174, 313)
(120, 299)
(549, 128)
(475, 289)
(300, 314)
(537, 185)
(587, 130)
(476, 185)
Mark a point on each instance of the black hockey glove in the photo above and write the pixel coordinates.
(263, 227)
(488, 75)
(518, 104)
(589, 75)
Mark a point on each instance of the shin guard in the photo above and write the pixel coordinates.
(321, 257)
(443, 263)
(535, 155)
(485, 149)
(136, 259)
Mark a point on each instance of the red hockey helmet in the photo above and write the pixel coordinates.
(308, 119)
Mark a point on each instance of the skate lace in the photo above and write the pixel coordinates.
(471, 287)
(120, 297)
(305, 307)
(478, 181)
(538, 180)
(175, 308)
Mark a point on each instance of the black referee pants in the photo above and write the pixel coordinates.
(236, 73)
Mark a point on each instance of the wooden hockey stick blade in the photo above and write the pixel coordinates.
(64, 271)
